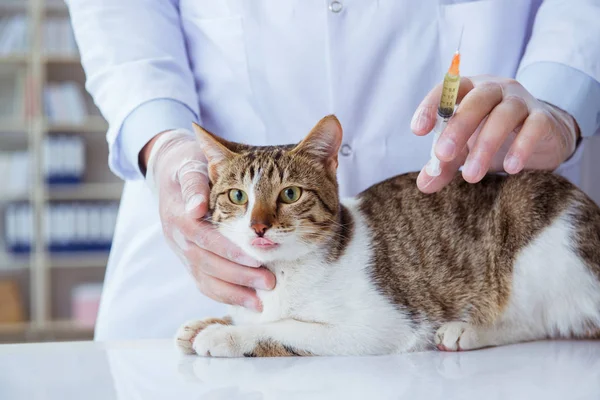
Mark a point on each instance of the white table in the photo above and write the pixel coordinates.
(155, 370)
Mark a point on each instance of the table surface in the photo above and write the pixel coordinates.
(155, 370)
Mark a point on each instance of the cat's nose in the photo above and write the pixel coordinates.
(260, 227)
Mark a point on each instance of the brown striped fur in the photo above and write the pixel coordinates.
(449, 256)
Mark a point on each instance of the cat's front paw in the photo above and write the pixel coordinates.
(457, 336)
(185, 336)
(223, 341)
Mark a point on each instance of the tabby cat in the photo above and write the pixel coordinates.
(510, 259)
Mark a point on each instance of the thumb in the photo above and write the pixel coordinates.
(193, 179)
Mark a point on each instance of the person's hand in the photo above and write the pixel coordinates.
(177, 172)
(497, 126)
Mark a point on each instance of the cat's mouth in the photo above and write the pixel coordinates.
(263, 243)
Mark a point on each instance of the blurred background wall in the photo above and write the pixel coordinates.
(58, 200)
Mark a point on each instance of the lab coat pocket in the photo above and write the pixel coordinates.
(494, 36)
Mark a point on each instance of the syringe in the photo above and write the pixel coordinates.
(445, 110)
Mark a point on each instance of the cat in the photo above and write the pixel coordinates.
(507, 260)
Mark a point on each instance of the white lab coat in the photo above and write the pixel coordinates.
(265, 71)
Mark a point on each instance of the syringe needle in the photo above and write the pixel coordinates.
(446, 109)
(460, 39)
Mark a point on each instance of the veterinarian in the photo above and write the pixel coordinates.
(265, 71)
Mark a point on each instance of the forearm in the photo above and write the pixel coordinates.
(560, 65)
(137, 69)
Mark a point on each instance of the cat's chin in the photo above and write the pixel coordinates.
(276, 253)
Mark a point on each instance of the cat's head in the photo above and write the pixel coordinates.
(275, 202)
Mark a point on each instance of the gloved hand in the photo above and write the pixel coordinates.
(497, 126)
(177, 173)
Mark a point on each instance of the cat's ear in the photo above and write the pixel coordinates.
(323, 142)
(215, 149)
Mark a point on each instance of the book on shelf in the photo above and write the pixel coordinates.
(69, 226)
(58, 37)
(65, 103)
(64, 159)
(85, 302)
(15, 170)
(14, 35)
(12, 93)
(12, 310)
(63, 163)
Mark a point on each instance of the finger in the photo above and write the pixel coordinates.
(207, 237)
(225, 270)
(503, 120)
(424, 117)
(536, 128)
(193, 178)
(432, 184)
(473, 108)
(225, 292)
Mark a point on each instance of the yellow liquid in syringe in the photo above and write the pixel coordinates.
(450, 88)
(445, 111)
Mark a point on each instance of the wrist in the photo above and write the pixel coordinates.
(144, 154)
(160, 150)
(573, 135)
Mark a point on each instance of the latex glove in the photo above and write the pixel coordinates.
(177, 173)
(497, 126)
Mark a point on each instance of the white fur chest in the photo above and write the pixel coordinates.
(299, 286)
(340, 293)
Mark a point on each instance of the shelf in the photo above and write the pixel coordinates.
(14, 58)
(94, 124)
(51, 326)
(4, 198)
(11, 265)
(61, 59)
(22, 6)
(79, 260)
(12, 126)
(56, 6)
(15, 6)
(50, 331)
(85, 191)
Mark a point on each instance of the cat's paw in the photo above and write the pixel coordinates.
(186, 334)
(223, 341)
(457, 336)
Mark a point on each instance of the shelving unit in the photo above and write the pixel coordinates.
(36, 272)
(52, 331)
(14, 58)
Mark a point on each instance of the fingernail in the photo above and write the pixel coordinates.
(432, 171)
(445, 147)
(472, 169)
(261, 284)
(512, 164)
(253, 304)
(194, 202)
(247, 260)
(179, 239)
(424, 179)
(419, 120)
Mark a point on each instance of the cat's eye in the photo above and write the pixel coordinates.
(290, 194)
(238, 197)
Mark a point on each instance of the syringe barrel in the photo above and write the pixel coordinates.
(449, 95)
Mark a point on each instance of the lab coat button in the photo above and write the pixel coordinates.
(346, 150)
(336, 6)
